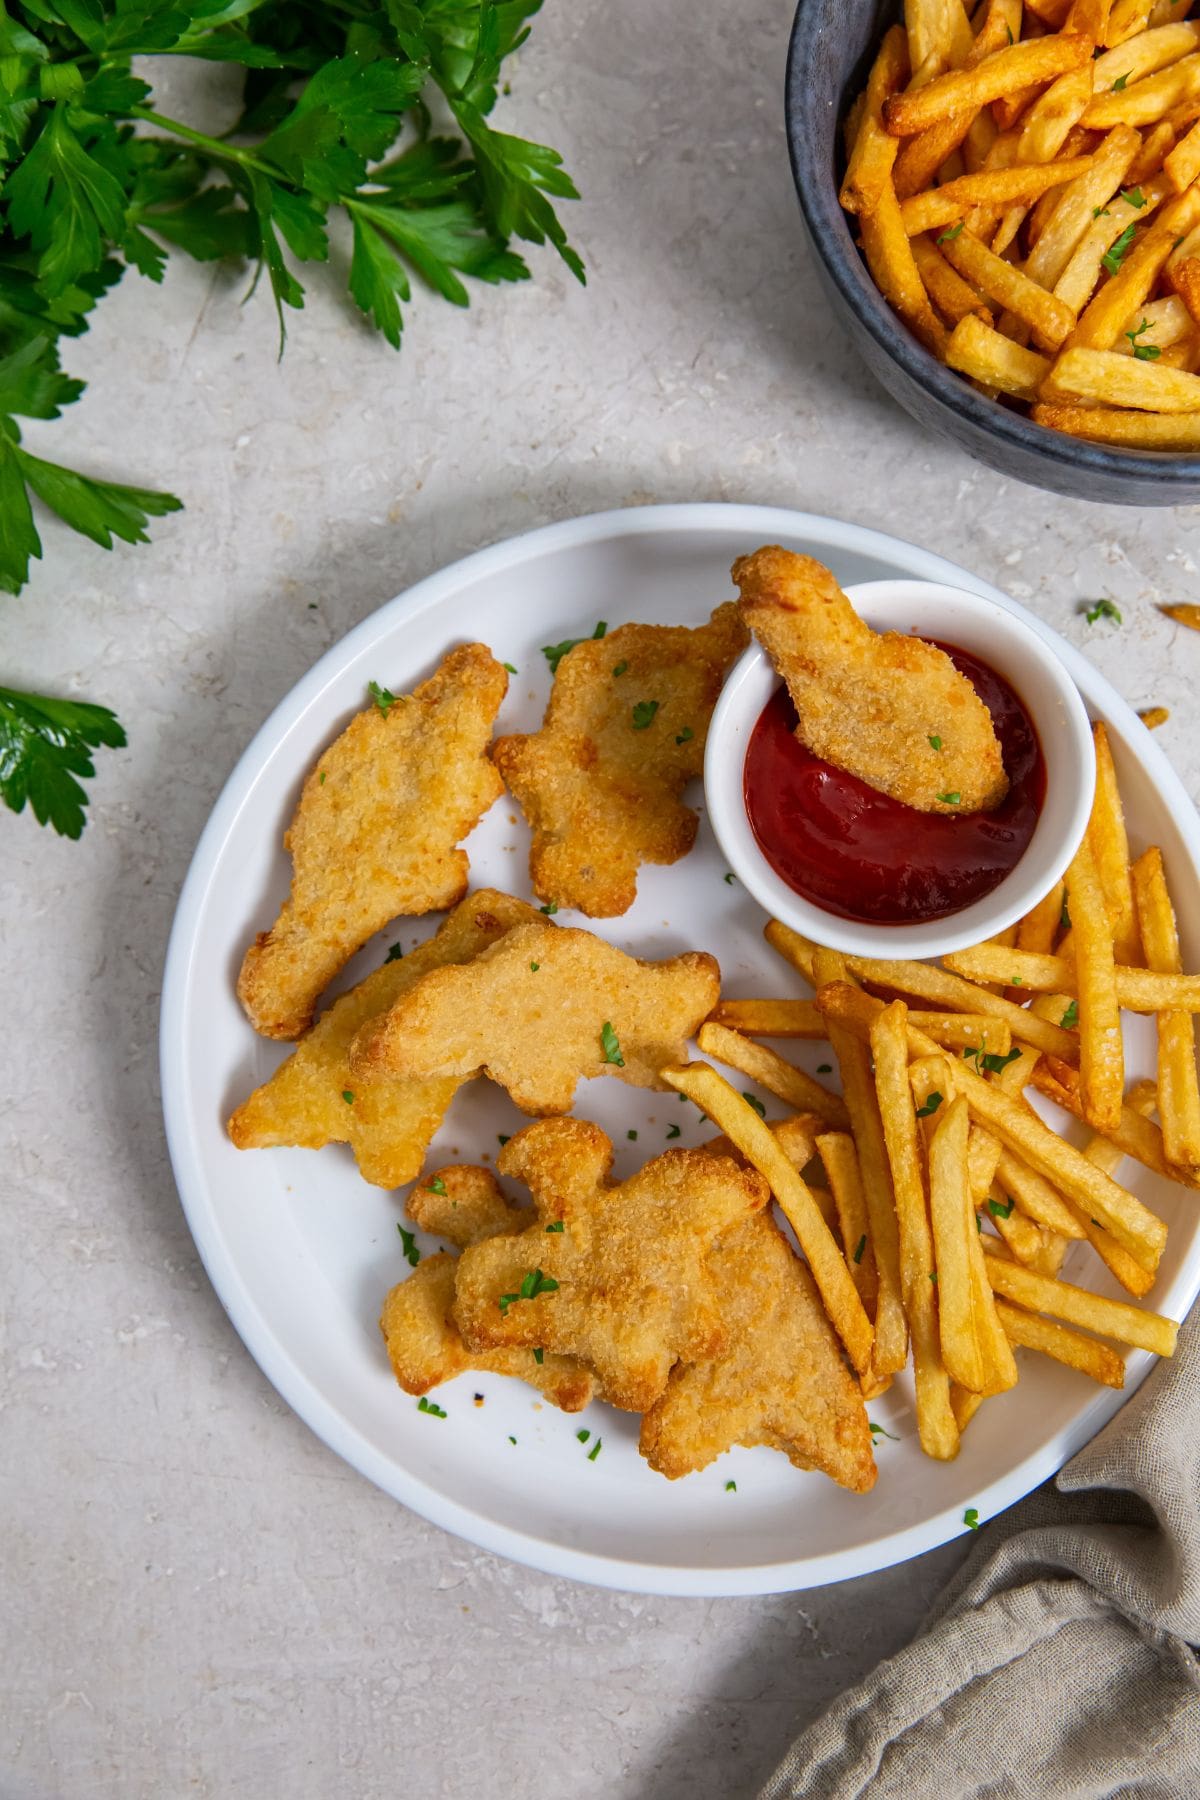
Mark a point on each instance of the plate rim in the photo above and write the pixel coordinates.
(302, 1393)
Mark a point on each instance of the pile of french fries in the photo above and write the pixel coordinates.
(941, 1205)
(1026, 179)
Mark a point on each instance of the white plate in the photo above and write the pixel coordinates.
(301, 1250)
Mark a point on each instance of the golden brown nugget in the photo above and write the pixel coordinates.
(624, 1285)
(374, 836)
(892, 710)
(541, 1010)
(423, 1344)
(312, 1099)
(779, 1380)
(624, 732)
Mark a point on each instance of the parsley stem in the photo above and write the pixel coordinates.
(218, 151)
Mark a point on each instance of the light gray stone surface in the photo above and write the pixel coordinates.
(196, 1597)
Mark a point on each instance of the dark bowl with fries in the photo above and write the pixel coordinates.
(832, 45)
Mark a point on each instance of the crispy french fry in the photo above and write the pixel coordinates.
(1112, 1318)
(1182, 164)
(1038, 928)
(1036, 1196)
(742, 1125)
(1102, 320)
(840, 1159)
(1044, 130)
(1019, 66)
(1157, 143)
(1111, 225)
(992, 188)
(1108, 1156)
(795, 950)
(1141, 1232)
(1101, 1047)
(1158, 326)
(1079, 204)
(1136, 1135)
(889, 1046)
(1109, 425)
(1024, 1239)
(963, 1405)
(945, 988)
(1114, 380)
(952, 1216)
(963, 1031)
(1145, 54)
(773, 1072)
(1064, 1345)
(920, 157)
(894, 269)
(1154, 716)
(874, 151)
(1183, 614)
(770, 1018)
(1110, 849)
(988, 356)
(1138, 990)
(1140, 102)
(983, 1156)
(954, 298)
(890, 1351)
(937, 30)
(1178, 1088)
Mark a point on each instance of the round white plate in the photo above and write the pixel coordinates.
(302, 1251)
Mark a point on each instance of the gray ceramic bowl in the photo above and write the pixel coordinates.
(831, 49)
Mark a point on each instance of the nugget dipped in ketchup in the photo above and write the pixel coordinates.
(892, 710)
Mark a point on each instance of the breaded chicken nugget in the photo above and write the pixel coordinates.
(624, 732)
(423, 1345)
(539, 1011)
(388, 1121)
(624, 1285)
(374, 835)
(778, 1380)
(892, 710)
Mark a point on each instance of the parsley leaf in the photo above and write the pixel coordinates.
(1143, 352)
(595, 1450)
(994, 1063)
(685, 736)
(935, 743)
(1102, 609)
(554, 653)
(643, 714)
(620, 668)
(550, 908)
(348, 1096)
(408, 1244)
(44, 744)
(1001, 1212)
(731, 1487)
(383, 697)
(877, 1431)
(426, 1405)
(1118, 85)
(860, 1247)
(557, 1225)
(610, 1045)
(394, 954)
(673, 1131)
(950, 233)
(931, 1105)
(436, 1186)
(1115, 255)
(950, 799)
(1071, 1017)
(1134, 197)
(752, 1100)
(971, 1518)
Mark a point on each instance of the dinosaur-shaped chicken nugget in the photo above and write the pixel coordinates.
(624, 1285)
(374, 835)
(891, 709)
(539, 1011)
(624, 732)
(387, 1120)
(779, 1378)
(465, 1205)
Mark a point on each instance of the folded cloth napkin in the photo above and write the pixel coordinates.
(1062, 1659)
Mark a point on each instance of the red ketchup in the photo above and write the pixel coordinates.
(855, 852)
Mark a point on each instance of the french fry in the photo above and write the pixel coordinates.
(1020, 66)
(1132, 1325)
(1159, 324)
(937, 29)
(1044, 131)
(1025, 1239)
(795, 950)
(889, 1045)
(1108, 1156)
(840, 1159)
(1154, 716)
(1036, 1196)
(1157, 144)
(1184, 277)
(1079, 203)
(1110, 849)
(893, 267)
(1101, 1046)
(1178, 1088)
(1101, 322)
(773, 1072)
(1138, 990)
(1064, 1345)
(1183, 614)
(920, 157)
(963, 1405)
(944, 988)
(1141, 102)
(1038, 928)
(1086, 265)
(1135, 1135)
(952, 1217)
(874, 151)
(1140, 431)
(954, 298)
(770, 1018)
(975, 349)
(983, 1157)
(992, 188)
(1145, 54)
(890, 1351)
(1182, 164)
(1114, 380)
(963, 1031)
(742, 1125)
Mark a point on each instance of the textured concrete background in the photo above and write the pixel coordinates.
(196, 1597)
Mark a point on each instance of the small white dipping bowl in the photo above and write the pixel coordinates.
(1014, 646)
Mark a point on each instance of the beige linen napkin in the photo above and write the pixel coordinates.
(1062, 1659)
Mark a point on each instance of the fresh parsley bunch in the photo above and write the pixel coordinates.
(380, 110)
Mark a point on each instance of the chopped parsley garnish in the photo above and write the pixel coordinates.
(512, 1440)
(512, 668)
(583, 1436)
(1001, 1212)
(1118, 85)
(436, 1186)
(1116, 253)
(860, 1247)
(752, 1100)
(824, 1068)
(554, 653)
(594, 1452)
(643, 713)
(427, 1406)
(620, 668)
(950, 799)
(950, 232)
(730, 878)
(348, 1096)
(322, 778)
(994, 1064)
(935, 743)
(933, 1276)
(395, 954)
(383, 697)
(501, 1138)
(673, 1131)
(877, 1432)
(533, 1283)
(1099, 212)
(632, 1136)
(534, 967)
(1143, 352)
(686, 735)
(1064, 917)
(556, 1226)
(550, 908)
(931, 1105)
(539, 1357)
(505, 1301)
(1071, 1017)
(408, 1245)
(1014, 981)
(1103, 609)
(731, 1487)
(1134, 197)
(611, 1045)
(971, 1518)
